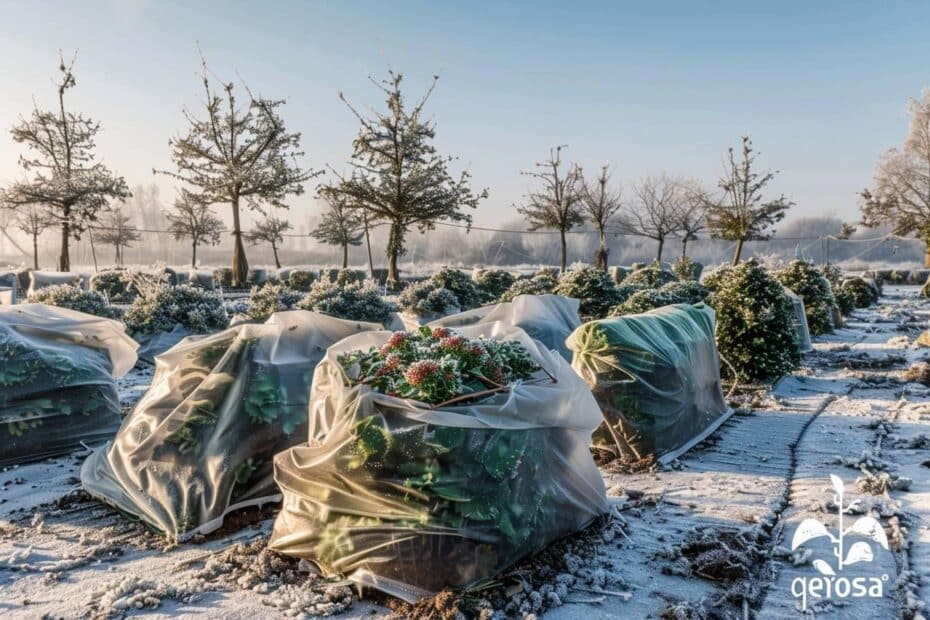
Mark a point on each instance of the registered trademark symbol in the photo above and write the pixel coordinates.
(885, 577)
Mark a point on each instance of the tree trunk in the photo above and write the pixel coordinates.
(345, 255)
(240, 264)
(274, 250)
(194, 255)
(602, 252)
(659, 251)
(926, 258)
(393, 250)
(35, 252)
(371, 262)
(684, 247)
(564, 249)
(64, 259)
(739, 251)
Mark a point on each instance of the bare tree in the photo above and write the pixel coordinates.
(692, 214)
(741, 215)
(600, 203)
(238, 154)
(341, 225)
(270, 230)
(190, 218)
(398, 177)
(117, 230)
(63, 177)
(557, 205)
(901, 192)
(33, 221)
(655, 210)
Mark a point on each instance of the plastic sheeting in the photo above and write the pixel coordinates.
(154, 344)
(56, 379)
(41, 279)
(443, 497)
(201, 441)
(549, 319)
(656, 377)
(800, 322)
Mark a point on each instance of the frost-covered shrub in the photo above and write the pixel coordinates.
(222, 276)
(643, 300)
(426, 299)
(73, 298)
(652, 276)
(492, 283)
(357, 301)
(811, 285)
(540, 284)
(349, 276)
(687, 269)
(594, 288)
(862, 292)
(116, 285)
(461, 285)
(266, 300)
(161, 308)
(755, 321)
(301, 280)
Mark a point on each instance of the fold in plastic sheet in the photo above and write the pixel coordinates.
(57, 370)
(656, 377)
(801, 330)
(550, 319)
(444, 497)
(201, 441)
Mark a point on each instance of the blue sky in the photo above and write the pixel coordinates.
(821, 87)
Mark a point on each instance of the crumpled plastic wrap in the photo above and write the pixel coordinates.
(800, 322)
(656, 377)
(57, 370)
(408, 498)
(201, 441)
(549, 319)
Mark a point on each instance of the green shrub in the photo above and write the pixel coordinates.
(687, 269)
(356, 301)
(161, 308)
(427, 298)
(540, 284)
(74, 298)
(755, 322)
(643, 300)
(811, 285)
(301, 280)
(652, 276)
(266, 300)
(594, 288)
(461, 285)
(116, 285)
(492, 283)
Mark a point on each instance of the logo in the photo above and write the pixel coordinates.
(831, 583)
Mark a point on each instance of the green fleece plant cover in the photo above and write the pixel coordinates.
(410, 497)
(656, 377)
(57, 389)
(201, 441)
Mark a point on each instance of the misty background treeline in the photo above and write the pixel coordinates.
(812, 236)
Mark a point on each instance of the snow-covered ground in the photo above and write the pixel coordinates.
(708, 537)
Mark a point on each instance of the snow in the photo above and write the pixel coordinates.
(709, 535)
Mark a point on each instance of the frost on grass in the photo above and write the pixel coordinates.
(131, 592)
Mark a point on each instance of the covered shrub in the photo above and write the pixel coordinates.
(460, 284)
(222, 276)
(812, 285)
(755, 321)
(266, 300)
(687, 269)
(643, 300)
(593, 287)
(427, 299)
(492, 283)
(540, 284)
(162, 308)
(357, 301)
(66, 296)
(116, 285)
(301, 279)
(652, 276)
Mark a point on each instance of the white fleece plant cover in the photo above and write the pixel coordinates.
(443, 497)
(801, 329)
(57, 370)
(201, 441)
(656, 377)
(549, 319)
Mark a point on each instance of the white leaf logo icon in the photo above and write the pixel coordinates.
(823, 567)
(859, 552)
(809, 528)
(871, 528)
(837, 485)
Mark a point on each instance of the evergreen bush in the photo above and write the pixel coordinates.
(811, 285)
